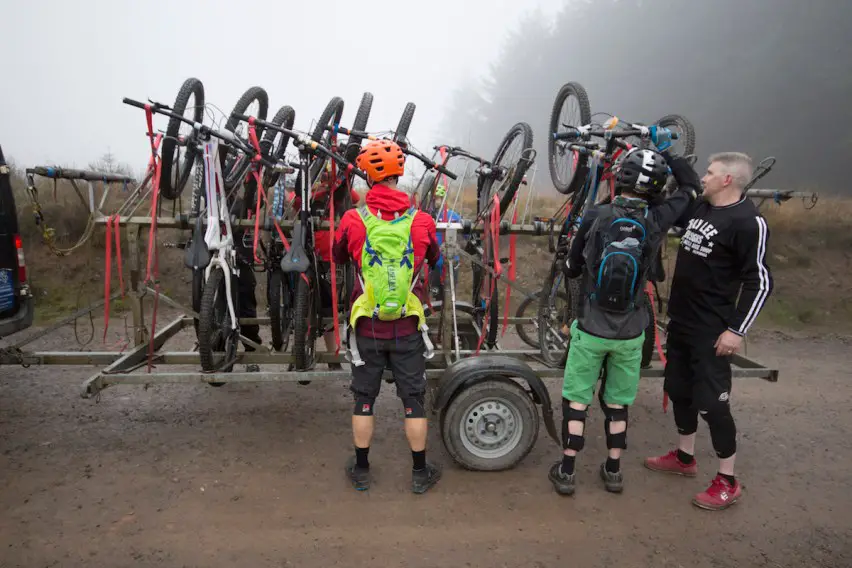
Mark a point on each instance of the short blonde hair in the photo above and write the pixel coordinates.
(736, 164)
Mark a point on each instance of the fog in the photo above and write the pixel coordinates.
(766, 77)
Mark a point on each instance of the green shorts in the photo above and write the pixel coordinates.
(583, 369)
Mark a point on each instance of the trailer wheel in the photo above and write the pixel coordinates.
(490, 426)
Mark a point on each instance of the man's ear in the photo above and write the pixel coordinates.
(729, 179)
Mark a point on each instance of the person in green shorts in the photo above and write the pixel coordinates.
(613, 250)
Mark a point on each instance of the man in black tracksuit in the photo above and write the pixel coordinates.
(722, 256)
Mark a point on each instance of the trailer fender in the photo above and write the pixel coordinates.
(466, 372)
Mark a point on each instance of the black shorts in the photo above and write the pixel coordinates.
(404, 357)
(694, 373)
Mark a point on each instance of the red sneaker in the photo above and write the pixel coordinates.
(669, 463)
(720, 495)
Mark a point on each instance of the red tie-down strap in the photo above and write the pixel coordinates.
(331, 197)
(492, 240)
(261, 193)
(609, 176)
(152, 272)
(112, 227)
(649, 289)
(513, 238)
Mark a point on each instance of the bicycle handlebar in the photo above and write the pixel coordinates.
(586, 133)
(304, 140)
(226, 135)
(404, 146)
(427, 162)
(459, 151)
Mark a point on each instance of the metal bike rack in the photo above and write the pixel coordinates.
(130, 367)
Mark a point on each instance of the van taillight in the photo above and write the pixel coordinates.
(22, 265)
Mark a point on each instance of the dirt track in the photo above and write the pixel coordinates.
(251, 475)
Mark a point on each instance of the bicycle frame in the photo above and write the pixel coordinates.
(219, 236)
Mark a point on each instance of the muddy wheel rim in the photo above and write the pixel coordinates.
(491, 428)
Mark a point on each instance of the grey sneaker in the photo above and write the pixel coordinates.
(360, 478)
(562, 482)
(424, 479)
(614, 482)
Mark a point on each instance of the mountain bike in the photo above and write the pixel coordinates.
(301, 260)
(218, 329)
(554, 317)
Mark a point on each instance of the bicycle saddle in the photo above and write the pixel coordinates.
(197, 256)
(296, 260)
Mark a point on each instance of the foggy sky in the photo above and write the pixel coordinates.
(767, 77)
(68, 64)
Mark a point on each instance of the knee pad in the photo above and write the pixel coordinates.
(415, 406)
(364, 405)
(615, 415)
(572, 441)
(686, 417)
(723, 431)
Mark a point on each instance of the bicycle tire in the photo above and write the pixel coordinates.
(304, 325)
(516, 172)
(575, 182)
(329, 117)
(235, 164)
(520, 328)
(550, 357)
(197, 293)
(487, 322)
(173, 180)
(273, 145)
(425, 190)
(686, 129)
(353, 144)
(280, 309)
(213, 304)
(401, 132)
(198, 194)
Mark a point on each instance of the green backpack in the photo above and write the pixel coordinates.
(387, 266)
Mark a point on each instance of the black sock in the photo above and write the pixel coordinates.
(731, 479)
(613, 465)
(419, 459)
(568, 464)
(684, 457)
(361, 461)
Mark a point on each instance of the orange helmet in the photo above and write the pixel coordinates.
(381, 159)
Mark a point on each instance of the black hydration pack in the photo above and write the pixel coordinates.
(616, 255)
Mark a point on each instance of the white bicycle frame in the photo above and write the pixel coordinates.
(219, 236)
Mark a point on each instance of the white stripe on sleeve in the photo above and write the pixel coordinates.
(763, 273)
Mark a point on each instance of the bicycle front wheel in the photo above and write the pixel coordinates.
(273, 145)
(178, 158)
(353, 144)
(254, 102)
(322, 134)
(401, 132)
(568, 169)
(515, 156)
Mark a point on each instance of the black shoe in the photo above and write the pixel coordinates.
(614, 482)
(562, 482)
(360, 478)
(423, 480)
(252, 368)
(335, 367)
